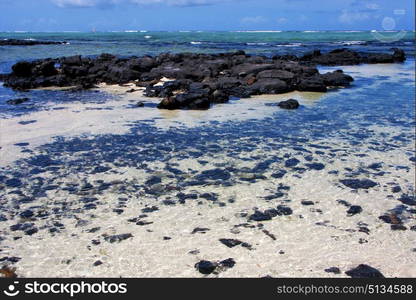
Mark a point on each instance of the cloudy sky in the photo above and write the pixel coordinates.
(108, 15)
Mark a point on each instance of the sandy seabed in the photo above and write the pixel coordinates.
(304, 243)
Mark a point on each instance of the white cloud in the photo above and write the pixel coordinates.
(178, 2)
(372, 6)
(281, 20)
(94, 3)
(253, 20)
(83, 3)
(349, 17)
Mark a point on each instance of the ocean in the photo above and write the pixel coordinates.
(153, 43)
(147, 192)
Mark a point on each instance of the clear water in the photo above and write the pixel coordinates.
(345, 132)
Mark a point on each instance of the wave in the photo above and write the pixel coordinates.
(196, 43)
(258, 31)
(349, 43)
(256, 44)
(290, 45)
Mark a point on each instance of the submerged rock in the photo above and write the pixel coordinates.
(231, 243)
(334, 270)
(307, 202)
(358, 183)
(268, 214)
(214, 174)
(354, 209)
(17, 101)
(118, 237)
(408, 199)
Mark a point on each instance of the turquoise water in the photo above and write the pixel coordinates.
(152, 43)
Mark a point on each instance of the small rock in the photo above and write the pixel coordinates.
(354, 209)
(97, 263)
(406, 199)
(334, 270)
(289, 104)
(150, 209)
(358, 183)
(201, 230)
(26, 214)
(206, 267)
(398, 227)
(307, 202)
(118, 237)
(228, 263)
(396, 189)
(284, 210)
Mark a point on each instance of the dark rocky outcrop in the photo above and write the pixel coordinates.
(17, 42)
(196, 80)
(343, 57)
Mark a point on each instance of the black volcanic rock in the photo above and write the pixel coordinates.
(337, 78)
(408, 199)
(269, 214)
(354, 209)
(17, 42)
(343, 57)
(364, 271)
(334, 270)
(289, 104)
(206, 267)
(358, 183)
(17, 101)
(118, 237)
(197, 80)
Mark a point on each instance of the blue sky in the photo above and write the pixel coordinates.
(109, 15)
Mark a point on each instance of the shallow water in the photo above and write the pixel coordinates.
(92, 166)
(77, 169)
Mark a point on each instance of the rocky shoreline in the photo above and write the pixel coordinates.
(196, 81)
(120, 191)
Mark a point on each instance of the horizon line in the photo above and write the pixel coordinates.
(199, 31)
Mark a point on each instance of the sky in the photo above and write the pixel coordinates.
(173, 15)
